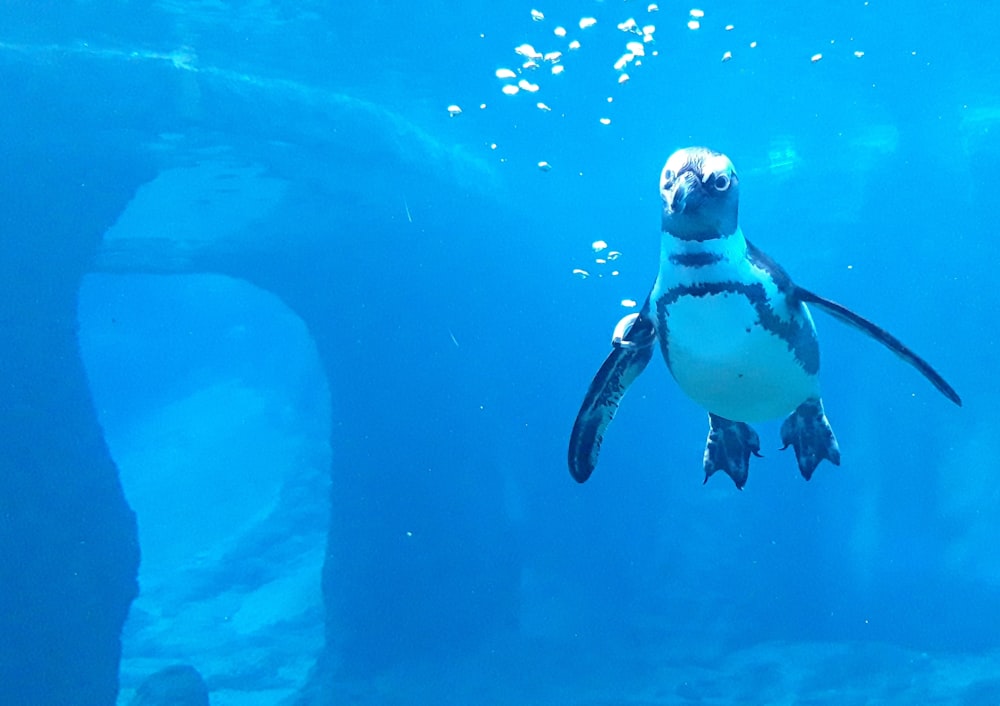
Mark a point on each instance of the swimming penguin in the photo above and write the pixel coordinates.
(734, 329)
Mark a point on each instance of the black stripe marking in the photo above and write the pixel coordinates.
(695, 259)
(801, 339)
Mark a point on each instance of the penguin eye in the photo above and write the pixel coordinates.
(719, 182)
(668, 179)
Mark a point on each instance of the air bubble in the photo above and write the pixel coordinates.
(528, 51)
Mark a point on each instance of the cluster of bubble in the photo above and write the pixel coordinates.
(515, 79)
(603, 259)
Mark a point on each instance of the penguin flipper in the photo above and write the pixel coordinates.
(632, 348)
(728, 448)
(847, 316)
(808, 431)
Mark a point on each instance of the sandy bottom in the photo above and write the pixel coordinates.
(774, 673)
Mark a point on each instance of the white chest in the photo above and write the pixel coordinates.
(725, 332)
(728, 362)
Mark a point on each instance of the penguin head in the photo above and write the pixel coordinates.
(701, 194)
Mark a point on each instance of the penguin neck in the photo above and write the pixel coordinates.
(680, 252)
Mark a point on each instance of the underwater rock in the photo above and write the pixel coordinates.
(177, 685)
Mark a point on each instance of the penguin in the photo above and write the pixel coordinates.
(734, 329)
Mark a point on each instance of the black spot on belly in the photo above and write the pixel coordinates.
(800, 337)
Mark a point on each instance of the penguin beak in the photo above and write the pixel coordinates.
(686, 194)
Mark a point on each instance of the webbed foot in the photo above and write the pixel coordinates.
(808, 430)
(729, 447)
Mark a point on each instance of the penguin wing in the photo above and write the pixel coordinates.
(845, 315)
(882, 336)
(628, 358)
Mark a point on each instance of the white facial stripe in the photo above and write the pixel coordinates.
(717, 163)
(713, 164)
(677, 161)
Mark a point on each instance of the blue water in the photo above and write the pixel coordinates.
(336, 343)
